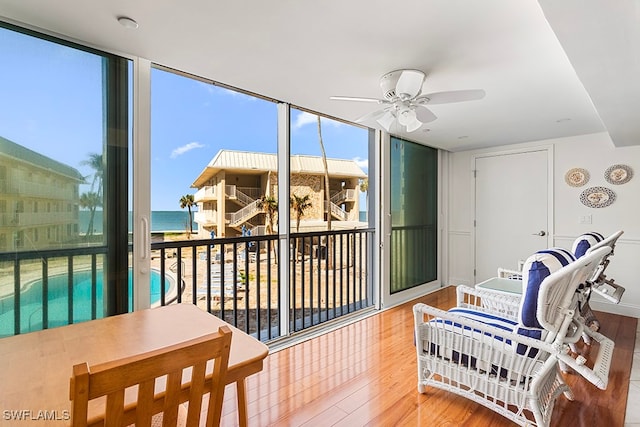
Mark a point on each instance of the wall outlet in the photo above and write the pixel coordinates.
(584, 219)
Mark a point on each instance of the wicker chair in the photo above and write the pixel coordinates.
(509, 363)
(599, 282)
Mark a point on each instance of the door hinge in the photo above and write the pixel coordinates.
(474, 222)
(475, 173)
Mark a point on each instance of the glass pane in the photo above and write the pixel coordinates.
(328, 186)
(53, 164)
(414, 214)
(214, 182)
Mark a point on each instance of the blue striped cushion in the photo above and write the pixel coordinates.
(584, 242)
(489, 319)
(536, 268)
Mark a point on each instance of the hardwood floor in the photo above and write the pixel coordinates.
(365, 374)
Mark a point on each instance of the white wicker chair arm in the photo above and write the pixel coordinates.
(504, 305)
(425, 313)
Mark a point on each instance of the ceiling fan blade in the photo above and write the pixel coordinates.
(424, 114)
(451, 96)
(409, 83)
(387, 120)
(356, 98)
(414, 125)
(370, 117)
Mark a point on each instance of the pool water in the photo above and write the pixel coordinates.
(31, 305)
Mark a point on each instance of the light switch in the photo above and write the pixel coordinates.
(585, 219)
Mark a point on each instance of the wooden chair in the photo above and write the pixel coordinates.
(111, 379)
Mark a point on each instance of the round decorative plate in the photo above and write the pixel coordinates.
(576, 177)
(597, 197)
(618, 174)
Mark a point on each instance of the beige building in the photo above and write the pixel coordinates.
(38, 199)
(230, 187)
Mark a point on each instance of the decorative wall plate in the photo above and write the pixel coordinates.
(618, 174)
(576, 177)
(597, 197)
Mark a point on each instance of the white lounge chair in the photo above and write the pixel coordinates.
(508, 363)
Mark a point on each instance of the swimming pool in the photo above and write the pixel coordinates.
(31, 305)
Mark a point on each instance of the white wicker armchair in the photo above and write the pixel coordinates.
(479, 349)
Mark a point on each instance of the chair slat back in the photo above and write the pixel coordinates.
(111, 379)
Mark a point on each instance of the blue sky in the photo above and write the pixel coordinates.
(52, 103)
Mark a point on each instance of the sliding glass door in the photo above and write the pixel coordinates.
(64, 144)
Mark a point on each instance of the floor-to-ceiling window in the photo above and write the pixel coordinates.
(329, 212)
(64, 138)
(414, 214)
(214, 179)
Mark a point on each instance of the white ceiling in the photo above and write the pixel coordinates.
(303, 51)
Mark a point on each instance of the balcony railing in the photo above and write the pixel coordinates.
(29, 219)
(344, 195)
(204, 217)
(337, 211)
(244, 214)
(207, 192)
(237, 279)
(35, 189)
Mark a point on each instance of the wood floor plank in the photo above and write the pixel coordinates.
(365, 373)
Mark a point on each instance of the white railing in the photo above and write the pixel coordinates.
(341, 195)
(235, 218)
(230, 191)
(243, 198)
(207, 192)
(204, 218)
(253, 192)
(259, 230)
(337, 211)
(42, 218)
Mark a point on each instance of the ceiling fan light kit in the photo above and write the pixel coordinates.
(404, 102)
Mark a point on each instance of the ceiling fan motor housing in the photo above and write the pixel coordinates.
(388, 83)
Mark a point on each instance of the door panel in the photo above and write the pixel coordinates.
(511, 201)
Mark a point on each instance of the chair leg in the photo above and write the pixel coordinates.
(242, 403)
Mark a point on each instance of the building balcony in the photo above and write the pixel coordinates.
(37, 219)
(205, 218)
(205, 194)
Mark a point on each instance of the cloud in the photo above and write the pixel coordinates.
(184, 148)
(305, 118)
(362, 163)
(219, 90)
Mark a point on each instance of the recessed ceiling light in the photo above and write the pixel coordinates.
(127, 22)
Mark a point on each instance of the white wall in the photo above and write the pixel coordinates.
(593, 152)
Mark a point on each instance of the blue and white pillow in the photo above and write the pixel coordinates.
(536, 268)
(584, 242)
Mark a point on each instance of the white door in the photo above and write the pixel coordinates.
(511, 218)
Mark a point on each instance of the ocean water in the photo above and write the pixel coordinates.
(160, 221)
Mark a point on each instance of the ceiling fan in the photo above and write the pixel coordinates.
(405, 105)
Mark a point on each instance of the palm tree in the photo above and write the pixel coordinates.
(299, 206)
(327, 195)
(269, 206)
(93, 198)
(186, 201)
(91, 201)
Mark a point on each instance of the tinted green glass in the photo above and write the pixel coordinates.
(414, 210)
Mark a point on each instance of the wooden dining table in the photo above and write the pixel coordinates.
(35, 368)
